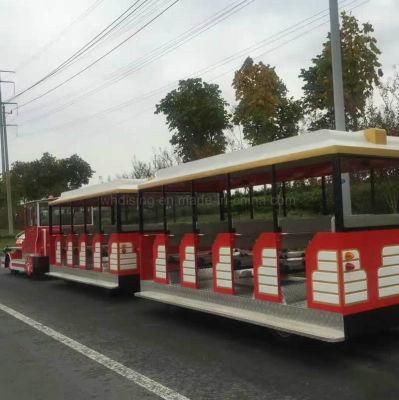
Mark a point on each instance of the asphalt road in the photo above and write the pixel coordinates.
(196, 355)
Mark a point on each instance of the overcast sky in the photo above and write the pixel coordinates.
(37, 35)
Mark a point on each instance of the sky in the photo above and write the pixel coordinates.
(109, 127)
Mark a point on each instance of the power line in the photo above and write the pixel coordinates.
(82, 16)
(100, 58)
(84, 48)
(159, 52)
(209, 69)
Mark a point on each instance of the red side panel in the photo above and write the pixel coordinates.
(188, 251)
(222, 263)
(267, 284)
(146, 256)
(97, 250)
(83, 245)
(71, 250)
(59, 250)
(160, 251)
(123, 253)
(351, 272)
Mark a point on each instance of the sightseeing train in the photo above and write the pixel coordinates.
(228, 235)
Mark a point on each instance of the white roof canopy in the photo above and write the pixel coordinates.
(308, 145)
(118, 186)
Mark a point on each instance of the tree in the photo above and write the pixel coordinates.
(161, 158)
(264, 109)
(196, 114)
(360, 69)
(386, 115)
(47, 176)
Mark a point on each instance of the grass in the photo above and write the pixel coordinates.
(6, 241)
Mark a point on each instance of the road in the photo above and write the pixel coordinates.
(196, 355)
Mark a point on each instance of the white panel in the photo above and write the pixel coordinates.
(268, 280)
(189, 278)
(190, 257)
(128, 262)
(161, 274)
(160, 268)
(269, 253)
(223, 275)
(225, 259)
(327, 298)
(224, 251)
(327, 266)
(189, 250)
(114, 247)
(128, 256)
(224, 284)
(265, 289)
(390, 250)
(391, 270)
(325, 287)
(389, 280)
(127, 245)
(161, 250)
(388, 291)
(390, 260)
(128, 266)
(97, 246)
(269, 271)
(351, 276)
(113, 267)
(355, 297)
(189, 271)
(188, 264)
(355, 286)
(160, 261)
(223, 267)
(324, 276)
(270, 262)
(327, 255)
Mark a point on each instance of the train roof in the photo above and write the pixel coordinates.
(117, 186)
(370, 142)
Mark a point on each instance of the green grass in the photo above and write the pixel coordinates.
(6, 241)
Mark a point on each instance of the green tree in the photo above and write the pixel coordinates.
(196, 114)
(264, 109)
(47, 176)
(360, 69)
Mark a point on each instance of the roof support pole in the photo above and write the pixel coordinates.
(118, 214)
(372, 190)
(338, 204)
(84, 216)
(251, 202)
(71, 211)
(100, 225)
(60, 218)
(284, 199)
(276, 227)
(221, 206)
(50, 220)
(141, 212)
(228, 203)
(323, 195)
(164, 216)
(194, 214)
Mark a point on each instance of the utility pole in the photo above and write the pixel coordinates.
(338, 88)
(4, 156)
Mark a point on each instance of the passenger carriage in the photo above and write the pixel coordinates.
(326, 276)
(94, 235)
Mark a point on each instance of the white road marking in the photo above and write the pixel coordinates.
(128, 373)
